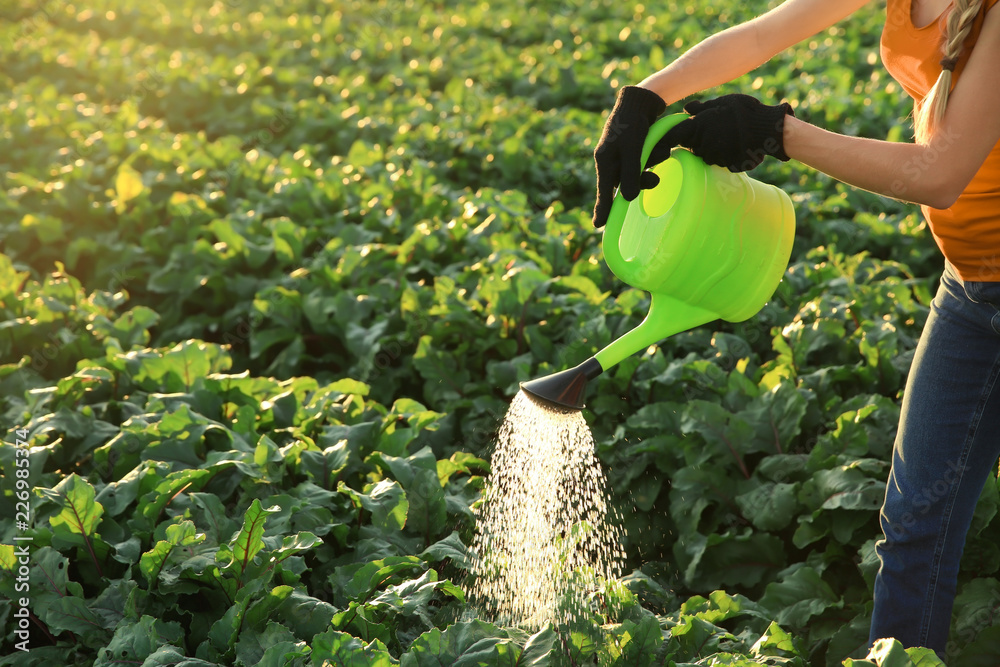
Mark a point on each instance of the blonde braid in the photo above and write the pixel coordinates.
(957, 28)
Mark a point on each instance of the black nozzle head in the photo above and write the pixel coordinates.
(564, 390)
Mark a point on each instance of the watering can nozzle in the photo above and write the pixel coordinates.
(564, 390)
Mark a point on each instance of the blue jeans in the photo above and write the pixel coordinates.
(947, 444)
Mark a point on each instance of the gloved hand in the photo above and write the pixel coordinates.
(619, 149)
(732, 131)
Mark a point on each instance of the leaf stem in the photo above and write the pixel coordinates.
(37, 621)
(163, 562)
(86, 538)
(736, 455)
(777, 440)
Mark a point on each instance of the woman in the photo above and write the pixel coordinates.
(945, 55)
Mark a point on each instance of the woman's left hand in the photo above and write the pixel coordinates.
(732, 131)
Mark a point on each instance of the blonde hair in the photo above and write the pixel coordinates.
(958, 25)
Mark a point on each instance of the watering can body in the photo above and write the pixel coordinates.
(706, 244)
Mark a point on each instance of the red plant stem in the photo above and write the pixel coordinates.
(93, 556)
(37, 621)
(736, 455)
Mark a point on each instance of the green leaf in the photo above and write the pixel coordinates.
(128, 186)
(981, 651)
(178, 368)
(305, 615)
(135, 642)
(287, 237)
(450, 547)
(639, 642)
(360, 620)
(112, 605)
(339, 649)
(210, 514)
(294, 544)
(728, 436)
(323, 467)
(584, 286)
(153, 560)
(248, 541)
(405, 469)
(417, 416)
(358, 581)
(799, 597)
(582, 645)
(182, 534)
(978, 600)
(411, 597)
(770, 506)
(259, 612)
(385, 500)
(776, 417)
(852, 637)
(68, 612)
(694, 490)
(890, 653)
(283, 654)
(460, 462)
(51, 573)
(464, 644)
(774, 642)
(80, 513)
(848, 438)
(224, 631)
(719, 606)
(8, 561)
(427, 513)
(171, 656)
(856, 486)
(152, 504)
(132, 327)
(117, 496)
(729, 559)
(692, 637)
(541, 649)
(417, 474)
(645, 490)
(443, 381)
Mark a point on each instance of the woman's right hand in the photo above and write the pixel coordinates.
(619, 151)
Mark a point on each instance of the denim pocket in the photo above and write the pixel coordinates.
(984, 293)
(977, 302)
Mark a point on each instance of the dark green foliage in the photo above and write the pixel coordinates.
(271, 276)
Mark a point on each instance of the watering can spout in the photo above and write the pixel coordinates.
(564, 390)
(667, 316)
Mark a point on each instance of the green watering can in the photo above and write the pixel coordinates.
(706, 244)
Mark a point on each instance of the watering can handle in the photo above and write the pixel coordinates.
(657, 131)
(619, 207)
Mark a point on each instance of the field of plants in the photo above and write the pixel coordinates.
(271, 273)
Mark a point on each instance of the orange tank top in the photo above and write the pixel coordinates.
(968, 233)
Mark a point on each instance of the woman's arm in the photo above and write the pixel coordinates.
(742, 48)
(935, 173)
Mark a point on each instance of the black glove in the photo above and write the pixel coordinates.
(732, 131)
(618, 152)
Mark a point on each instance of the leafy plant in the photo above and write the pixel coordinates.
(270, 279)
